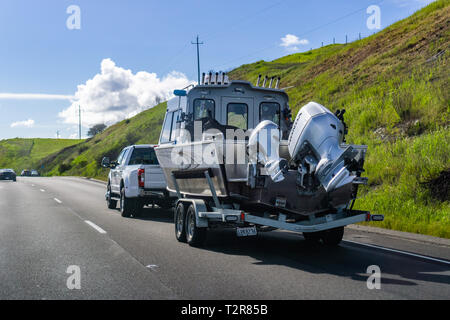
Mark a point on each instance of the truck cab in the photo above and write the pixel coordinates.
(135, 179)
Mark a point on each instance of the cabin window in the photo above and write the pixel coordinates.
(270, 111)
(120, 157)
(237, 115)
(203, 108)
(165, 135)
(143, 156)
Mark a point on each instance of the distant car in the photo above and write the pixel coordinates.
(26, 173)
(34, 173)
(7, 174)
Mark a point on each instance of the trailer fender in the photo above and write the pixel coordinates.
(199, 206)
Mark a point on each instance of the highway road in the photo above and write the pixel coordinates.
(50, 224)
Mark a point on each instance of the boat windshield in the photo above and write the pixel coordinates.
(270, 111)
(203, 108)
(237, 115)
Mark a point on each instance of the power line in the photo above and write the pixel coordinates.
(233, 25)
(243, 19)
(174, 58)
(302, 34)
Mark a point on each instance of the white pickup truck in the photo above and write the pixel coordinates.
(136, 180)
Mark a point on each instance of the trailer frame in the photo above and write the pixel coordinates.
(223, 214)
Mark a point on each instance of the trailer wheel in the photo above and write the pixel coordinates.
(179, 217)
(195, 236)
(332, 237)
(312, 237)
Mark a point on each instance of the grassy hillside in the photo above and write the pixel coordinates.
(20, 154)
(395, 88)
(84, 159)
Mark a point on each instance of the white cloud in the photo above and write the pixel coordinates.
(27, 123)
(290, 42)
(35, 96)
(115, 94)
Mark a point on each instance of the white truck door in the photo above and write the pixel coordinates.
(116, 173)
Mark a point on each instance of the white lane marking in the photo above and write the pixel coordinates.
(96, 227)
(57, 200)
(32, 185)
(42, 190)
(152, 266)
(399, 251)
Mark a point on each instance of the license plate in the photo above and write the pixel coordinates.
(246, 232)
(280, 202)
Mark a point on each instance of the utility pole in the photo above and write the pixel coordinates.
(198, 58)
(79, 122)
(57, 134)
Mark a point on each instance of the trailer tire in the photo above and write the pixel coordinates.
(312, 237)
(195, 236)
(179, 219)
(332, 237)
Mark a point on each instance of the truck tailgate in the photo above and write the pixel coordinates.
(154, 177)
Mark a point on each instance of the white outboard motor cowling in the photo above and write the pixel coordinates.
(263, 148)
(315, 145)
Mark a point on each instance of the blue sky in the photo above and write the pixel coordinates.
(125, 52)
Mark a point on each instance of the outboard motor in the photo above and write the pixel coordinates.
(316, 147)
(263, 148)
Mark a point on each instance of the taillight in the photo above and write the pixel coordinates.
(141, 178)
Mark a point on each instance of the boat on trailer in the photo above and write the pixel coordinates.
(233, 155)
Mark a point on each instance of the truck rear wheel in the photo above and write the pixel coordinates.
(195, 236)
(126, 204)
(332, 237)
(179, 217)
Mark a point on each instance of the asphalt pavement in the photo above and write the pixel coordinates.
(49, 226)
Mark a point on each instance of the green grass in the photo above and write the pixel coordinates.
(396, 171)
(397, 102)
(19, 154)
(84, 159)
(397, 99)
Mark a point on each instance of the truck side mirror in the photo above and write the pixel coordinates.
(106, 163)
